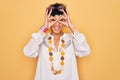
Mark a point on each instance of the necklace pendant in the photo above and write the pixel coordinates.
(55, 72)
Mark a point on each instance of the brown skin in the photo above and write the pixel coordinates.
(56, 23)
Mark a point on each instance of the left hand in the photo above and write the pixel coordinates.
(66, 21)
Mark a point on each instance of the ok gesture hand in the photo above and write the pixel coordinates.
(47, 23)
(66, 21)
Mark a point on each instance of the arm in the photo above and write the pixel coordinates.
(80, 44)
(32, 47)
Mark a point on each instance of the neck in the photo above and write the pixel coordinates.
(57, 35)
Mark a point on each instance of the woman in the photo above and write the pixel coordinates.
(56, 50)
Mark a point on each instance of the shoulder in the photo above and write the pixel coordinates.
(67, 37)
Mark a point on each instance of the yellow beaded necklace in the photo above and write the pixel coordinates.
(51, 56)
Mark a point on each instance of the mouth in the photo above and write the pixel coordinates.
(57, 28)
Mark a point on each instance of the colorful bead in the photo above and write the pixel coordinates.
(62, 63)
(51, 58)
(55, 72)
(50, 53)
(52, 68)
(62, 53)
(62, 41)
(50, 49)
(49, 38)
(50, 41)
(59, 71)
(62, 58)
(62, 44)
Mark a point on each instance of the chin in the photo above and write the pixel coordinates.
(57, 32)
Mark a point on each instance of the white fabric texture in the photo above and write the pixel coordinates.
(75, 45)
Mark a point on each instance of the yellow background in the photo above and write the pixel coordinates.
(99, 20)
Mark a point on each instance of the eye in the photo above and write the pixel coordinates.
(52, 20)
(62, 20)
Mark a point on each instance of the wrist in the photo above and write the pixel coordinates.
(73, 29)
(44, 29)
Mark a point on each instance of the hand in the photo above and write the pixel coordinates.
(48, 20)
(66, 21)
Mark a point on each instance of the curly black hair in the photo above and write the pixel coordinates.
(56, 9)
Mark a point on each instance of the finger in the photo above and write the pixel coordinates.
(50, 13)
(52, 23)
(46, 12)
(67, 12)
(59, 18)
(64, 23)
(68, 15)
(52, 18)
(46, 19)
(64, 12)
(62, 18)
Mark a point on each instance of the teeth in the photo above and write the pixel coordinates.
(56, 28)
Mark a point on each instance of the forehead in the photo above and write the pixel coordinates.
(57, 16)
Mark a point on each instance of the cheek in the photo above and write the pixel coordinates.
(52, 28)
(61, 25)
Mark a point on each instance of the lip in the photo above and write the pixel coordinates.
(56, 28)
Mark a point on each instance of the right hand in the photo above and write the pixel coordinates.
(48, 20)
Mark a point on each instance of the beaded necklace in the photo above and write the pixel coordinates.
(55, 72)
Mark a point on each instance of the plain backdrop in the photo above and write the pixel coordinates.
(98, 20)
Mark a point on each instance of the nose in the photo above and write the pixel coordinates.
(57, 23)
